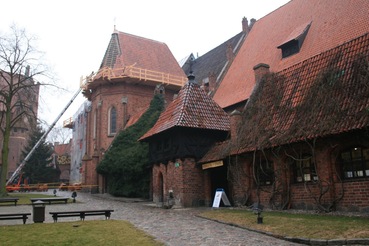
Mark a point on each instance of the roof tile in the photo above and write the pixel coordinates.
(324, 95)
(332, 25)
(129, 50)
(192, 108)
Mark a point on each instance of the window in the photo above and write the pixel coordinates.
(355, 163)
(293, 43)
(290, 48)
(264, 172)
(95, 125)
(112, 121)
(304, 169)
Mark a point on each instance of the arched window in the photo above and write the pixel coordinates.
(304, 169)
(95, 125)
(355, 162)
(112, 121)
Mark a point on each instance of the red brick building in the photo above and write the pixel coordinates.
(132, 69)
(182, 134)
(62, 160)
(20, 132)
(297, 92)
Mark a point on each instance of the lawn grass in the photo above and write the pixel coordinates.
(24, 198)
(313, 226)
(93, 232)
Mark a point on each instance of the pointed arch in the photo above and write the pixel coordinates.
(112, 121)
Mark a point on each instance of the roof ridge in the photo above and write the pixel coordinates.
(140, 37)
(185, 100)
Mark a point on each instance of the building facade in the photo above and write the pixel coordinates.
(133, 69)
(297, 95)
(25, 103)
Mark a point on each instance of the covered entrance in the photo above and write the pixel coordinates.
(218, 178)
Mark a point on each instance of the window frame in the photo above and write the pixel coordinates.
(267, 176)
(94, 132)
(304, 169)
(112, 121)
(357, 166)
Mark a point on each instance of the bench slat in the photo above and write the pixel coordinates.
(8, 199)
(81, 214)
(23, 216)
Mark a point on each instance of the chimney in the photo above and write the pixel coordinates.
(230, 55)
(252, 22)
(27, 71)
(212, 81)
(260, 70)
(235, 120)
(245, 25)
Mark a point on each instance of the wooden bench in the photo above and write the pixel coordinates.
(9, 199)
(50, 199)
(82, 214)
(23, 216)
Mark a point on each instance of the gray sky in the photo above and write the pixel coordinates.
(74, 34)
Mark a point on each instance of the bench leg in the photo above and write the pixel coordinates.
(82, 216)
(25, 217)
(107, 215)
(55, 217)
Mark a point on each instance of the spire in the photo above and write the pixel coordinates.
(115, 29)
(191, 78)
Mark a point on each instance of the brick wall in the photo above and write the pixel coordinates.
(356, 196)
(346, 195)
(184, 178)
(103, 98)
(193, 185)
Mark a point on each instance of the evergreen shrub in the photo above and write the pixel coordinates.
(126, 165)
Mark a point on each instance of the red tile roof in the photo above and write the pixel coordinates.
(325, 95)
(135, 59)
(62, 149)
(147, 54)
(332, 24)
(192, 108)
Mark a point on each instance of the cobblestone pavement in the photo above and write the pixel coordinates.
(172, 226)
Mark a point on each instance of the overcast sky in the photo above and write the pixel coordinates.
(74, 34)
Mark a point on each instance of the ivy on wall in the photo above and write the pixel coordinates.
(125, 164)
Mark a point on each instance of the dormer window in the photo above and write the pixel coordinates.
(293, 43)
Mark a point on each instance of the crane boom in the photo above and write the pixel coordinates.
(20, 167)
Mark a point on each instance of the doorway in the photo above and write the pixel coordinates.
(218, 179)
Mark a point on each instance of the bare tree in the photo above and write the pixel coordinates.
(60, 134)
(20, 68)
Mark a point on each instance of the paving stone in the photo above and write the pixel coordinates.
(171, 226)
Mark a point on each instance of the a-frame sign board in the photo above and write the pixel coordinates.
(220, 195)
